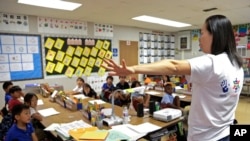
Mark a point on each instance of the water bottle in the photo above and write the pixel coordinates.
(125, 115)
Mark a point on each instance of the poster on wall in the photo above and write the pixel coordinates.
(61, 26)
(20, 57)
(103, 30)
(77, 57)
(14, 22)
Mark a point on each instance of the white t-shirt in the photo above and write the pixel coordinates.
(216, 86)
(32, 111)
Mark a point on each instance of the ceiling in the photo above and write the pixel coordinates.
(120, 12)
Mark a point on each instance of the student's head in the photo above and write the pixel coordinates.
(80, 81)
(31, 99)
(135, 84)
(109, 79)
(217, 36)
(122, 79)
(15, 92)
(168, 88)
(21, 113)
(86, 87)
(7, 85)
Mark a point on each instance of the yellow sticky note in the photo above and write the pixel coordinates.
(49, 43)
(78, 51)
(86, 51)
(59, 43)
(70, 50)
(59, 56)
(67, 60)
(69, 72)
(95, 135)
(101, 53)
(99, 44)
(101, 71)
(50, 55)
(59, 67)
(87, 71)
(50, 67)
(79, 71)
(91, 62)
(94, 52)
(106, 45)
(83, 61)
(108, 55)
(75, 61)
(98, 62)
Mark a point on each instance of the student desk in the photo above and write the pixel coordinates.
(159, 95)
(66, 116)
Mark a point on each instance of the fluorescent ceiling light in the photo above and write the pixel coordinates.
(161, 21)
(56, 4)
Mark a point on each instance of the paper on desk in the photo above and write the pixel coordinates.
(80, 96)
(52, 127)
(180, 96)
(48, 112)
(144, 127)
(94, 135)
(178, 88)
(40, 102)
(116, 135)
(127, 131)
(98, 101)
(152, 93)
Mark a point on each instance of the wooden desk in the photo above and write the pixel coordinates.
(67, 116)
(160, 94)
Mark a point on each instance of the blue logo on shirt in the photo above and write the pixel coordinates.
(224, 86)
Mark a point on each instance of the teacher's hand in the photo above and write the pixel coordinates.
(118, 69)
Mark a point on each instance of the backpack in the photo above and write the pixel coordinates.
(5, 125)
(4, 110)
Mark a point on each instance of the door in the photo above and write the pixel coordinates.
(129, 52)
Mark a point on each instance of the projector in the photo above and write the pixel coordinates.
(167, 114)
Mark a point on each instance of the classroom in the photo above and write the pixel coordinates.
(49, 48)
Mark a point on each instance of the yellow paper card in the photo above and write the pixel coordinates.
(49, 43)
(95, 135)
(59, 67)
(59, 43)
(106, 45)
(98, 62)
(84, 61)
(70, 50)
(50, 55)
(75, 62)
(50, 67)
(67, 60)
(76, 133)
(94, 52)
(99, 44)
(101, 53)
(78, 51)
(91, 62)
(108, 55)
(59, 55)
(87, 71)
(86, 51)
(69, 72)
(79, 71)
(101, 71)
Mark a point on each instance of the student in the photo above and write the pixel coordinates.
(122, 84)
(16, 93)
(6, 87)
(31, 99)
(168, 100)
(88, 91)
(137, 97)
(216, 77)
(107, 88)
(79, 86)
(22, 129)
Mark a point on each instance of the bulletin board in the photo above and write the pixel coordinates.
(78, 57)
(20, 57)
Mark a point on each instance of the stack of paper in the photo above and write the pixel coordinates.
(90, 133)
(64, 129)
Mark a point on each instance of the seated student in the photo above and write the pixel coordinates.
(6, 87)
(31, 99)
(137, 98)
(79, 86)
(22, 129)
(88, 91)
(168, 101)
(16, 93)
(107, 88)
(122, 84)
(165, 80)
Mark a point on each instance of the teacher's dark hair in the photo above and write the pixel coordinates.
(223, 38)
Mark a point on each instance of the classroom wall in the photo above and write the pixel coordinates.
(120, 33)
